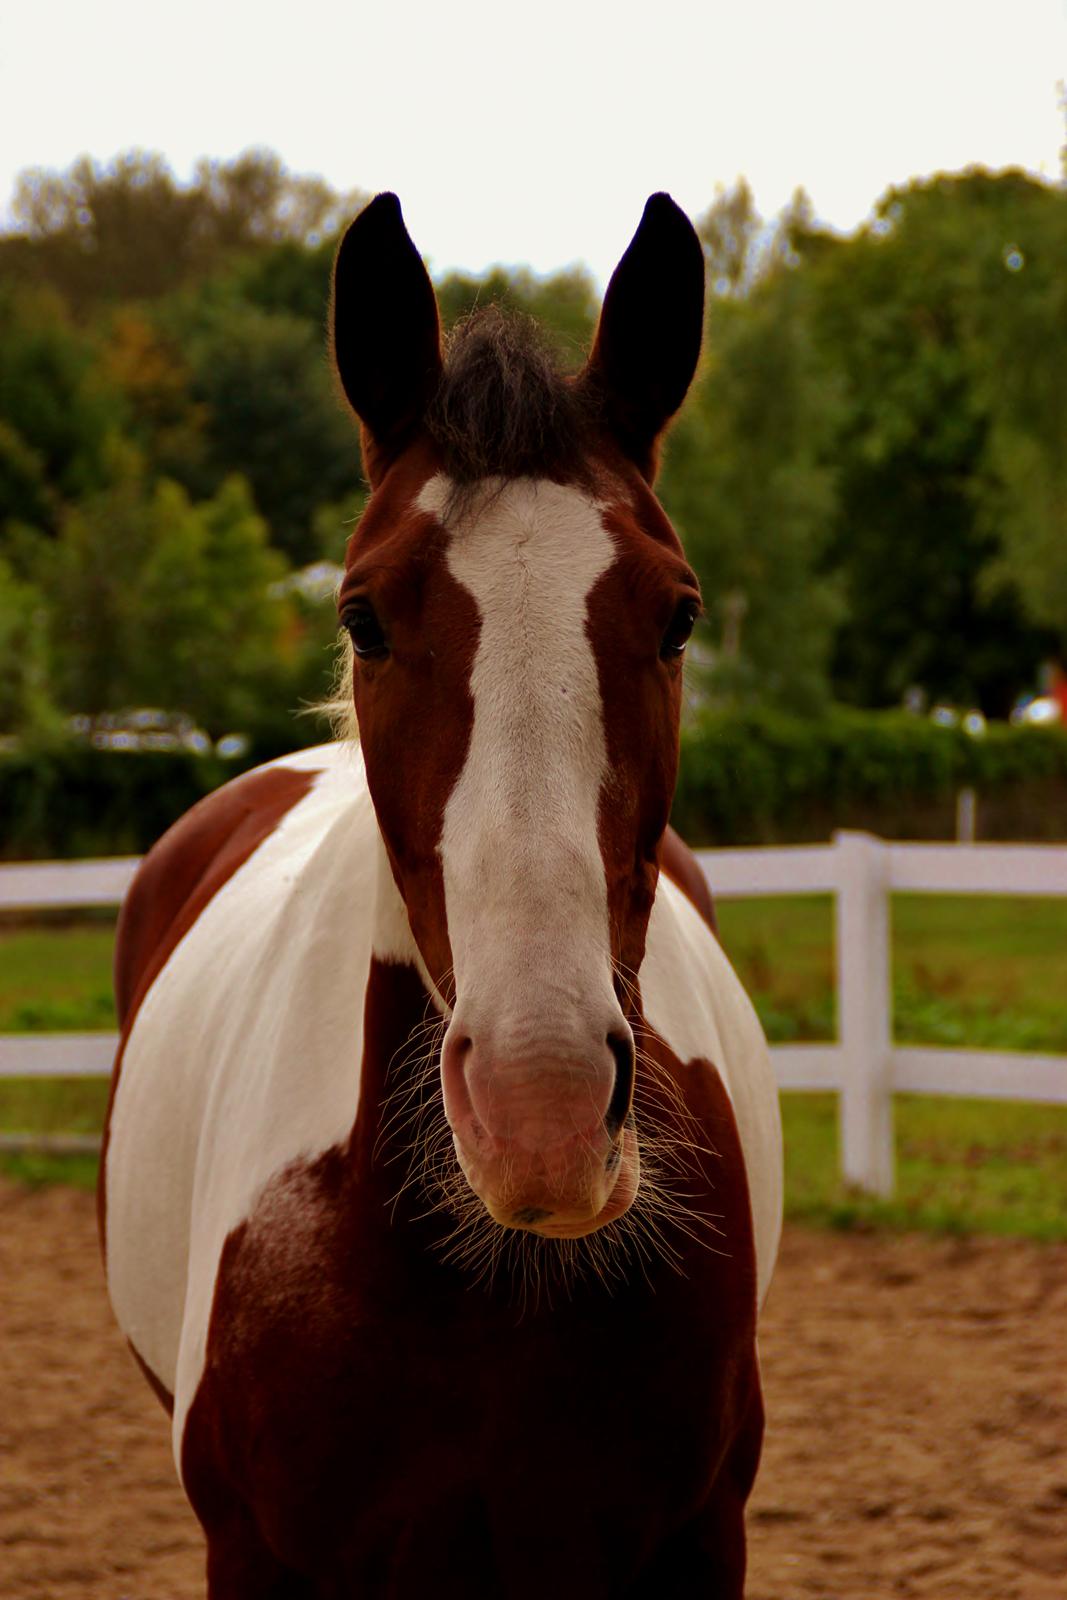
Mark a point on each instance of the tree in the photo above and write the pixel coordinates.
(746, 482)
(916, 316)
(57, 410)
(268, 411)
(26, 707)
(565, 303)
(1018, 339)
(289, 277)
(157, 601)
(165, 419)
(730, 231)
(741, 249)
(101, 234)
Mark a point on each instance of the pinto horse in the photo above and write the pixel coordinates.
(442, 1174)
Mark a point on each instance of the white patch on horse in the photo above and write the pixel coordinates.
(525, 889)
(244, 1058)
(693, 999)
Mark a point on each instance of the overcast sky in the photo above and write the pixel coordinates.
(534, 132)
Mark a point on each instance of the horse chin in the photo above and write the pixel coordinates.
(619, 1201)
(549, 1215)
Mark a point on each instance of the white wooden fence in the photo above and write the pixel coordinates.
(864, 1066)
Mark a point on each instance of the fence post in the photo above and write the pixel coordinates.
(863, 1012)
(966, 816)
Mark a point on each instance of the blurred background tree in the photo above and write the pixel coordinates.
(129, 231)
(747, 476)
(870, 475)
(919, 315)
(155, 600)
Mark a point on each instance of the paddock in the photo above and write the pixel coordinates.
(916, 1397)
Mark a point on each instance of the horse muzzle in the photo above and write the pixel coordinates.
(545, 1141)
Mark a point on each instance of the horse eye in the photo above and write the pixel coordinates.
(365, 631)
(681, 626)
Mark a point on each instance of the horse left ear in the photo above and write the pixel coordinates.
(384, 330)
(648, 339)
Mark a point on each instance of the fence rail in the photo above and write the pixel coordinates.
(863, 1066)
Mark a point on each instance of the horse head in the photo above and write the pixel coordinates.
(518, 606)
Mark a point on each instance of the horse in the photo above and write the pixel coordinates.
(442, 1171)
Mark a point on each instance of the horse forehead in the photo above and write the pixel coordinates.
(529, 545)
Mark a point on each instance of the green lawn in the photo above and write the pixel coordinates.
(963, 1166)
(56, 975)
(967, 970)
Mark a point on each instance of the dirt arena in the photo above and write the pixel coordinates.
(917, 1439)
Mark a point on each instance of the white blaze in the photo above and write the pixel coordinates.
(525, 889)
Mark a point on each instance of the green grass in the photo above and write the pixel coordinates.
(985, 971)
(56, 975)
(963, 1166)
(981, 971)
(967, 971)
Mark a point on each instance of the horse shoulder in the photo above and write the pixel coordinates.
(243, 963)
(692, 998)
(684, 870)
(189, 864)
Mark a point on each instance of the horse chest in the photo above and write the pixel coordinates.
(398, 1429)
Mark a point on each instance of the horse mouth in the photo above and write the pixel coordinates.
(550, 1221)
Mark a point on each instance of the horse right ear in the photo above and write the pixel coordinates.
(384, 330)
(648, 340)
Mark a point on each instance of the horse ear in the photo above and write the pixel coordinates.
(384, 329)
(648, 339)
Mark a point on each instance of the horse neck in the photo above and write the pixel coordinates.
(403, 1017)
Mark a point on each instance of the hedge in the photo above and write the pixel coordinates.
(68, 799)
(760, 777)
(745, 778)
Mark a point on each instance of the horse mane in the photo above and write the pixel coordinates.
(504, 409)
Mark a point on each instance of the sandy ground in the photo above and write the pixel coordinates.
(917, 1438)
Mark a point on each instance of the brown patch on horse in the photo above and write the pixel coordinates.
(418, 699)
(641, 698)
(176, 880)
(685, 872)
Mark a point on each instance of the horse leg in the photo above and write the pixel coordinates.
(240, 1566)
(705, 1560)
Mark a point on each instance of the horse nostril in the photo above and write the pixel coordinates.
(622, 1048)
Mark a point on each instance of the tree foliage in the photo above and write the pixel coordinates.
(870, 475)
(565, 303)
(57, 407)
(748, 483)
(261, 397)
(156, 600)
(926, 317)
(884, 422)
(129, 231)
(26, 705)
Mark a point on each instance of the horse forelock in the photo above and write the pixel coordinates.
(504, 409)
